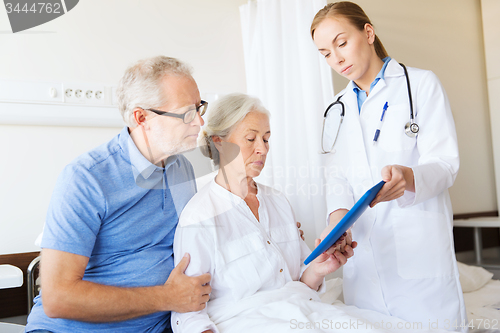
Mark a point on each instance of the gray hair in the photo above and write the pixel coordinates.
(141, 85)
(223, 117)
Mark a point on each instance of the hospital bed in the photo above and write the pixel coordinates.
(481, 296)
(10, 277)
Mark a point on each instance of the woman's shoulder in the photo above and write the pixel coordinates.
(198, 209)
(424, 80)
(418, 76)
(209, 206)
(426, 74)
(418, 73)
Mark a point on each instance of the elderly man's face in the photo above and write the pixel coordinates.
(169, 135)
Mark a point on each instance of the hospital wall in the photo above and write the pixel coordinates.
(97, 40)
(94, 43)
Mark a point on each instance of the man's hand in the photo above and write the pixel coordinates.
(186, 293)
(300, 231)
(398, 179)
(67, 295)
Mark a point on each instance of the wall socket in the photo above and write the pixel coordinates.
(78, 93)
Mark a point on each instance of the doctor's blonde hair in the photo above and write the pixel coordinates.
(223, 116)
(352, 13)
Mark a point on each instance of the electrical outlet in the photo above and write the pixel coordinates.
(83, 93)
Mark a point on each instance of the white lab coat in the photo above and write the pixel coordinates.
(405, 263)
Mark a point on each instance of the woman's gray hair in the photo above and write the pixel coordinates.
(141, 85)
(225, 114)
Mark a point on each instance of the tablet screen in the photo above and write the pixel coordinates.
(346, 222)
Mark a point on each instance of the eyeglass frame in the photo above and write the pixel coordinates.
(182, 115)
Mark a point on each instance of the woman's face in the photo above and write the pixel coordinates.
(251, 135)
(346, 49)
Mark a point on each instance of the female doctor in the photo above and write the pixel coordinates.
(405, 264)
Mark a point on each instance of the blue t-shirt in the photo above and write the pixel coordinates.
(115, 207)
(361, 94)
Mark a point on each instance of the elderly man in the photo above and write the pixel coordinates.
(107, 261)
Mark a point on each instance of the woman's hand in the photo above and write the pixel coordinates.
(398, 179)
(345, 239)
(327, 263)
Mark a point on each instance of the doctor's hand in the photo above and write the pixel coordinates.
(186, 293)
(398, 179)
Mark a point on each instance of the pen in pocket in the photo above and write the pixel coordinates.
(377, 132)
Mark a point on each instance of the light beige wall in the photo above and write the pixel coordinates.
(446, 37)
(491, 10)
(95, 42)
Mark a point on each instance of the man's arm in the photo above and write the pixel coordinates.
(66, 295)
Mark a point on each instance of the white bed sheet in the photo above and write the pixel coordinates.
(483, 308)
(483, 305)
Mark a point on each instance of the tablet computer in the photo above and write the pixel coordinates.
(346, 222)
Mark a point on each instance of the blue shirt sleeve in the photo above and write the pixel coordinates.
(75, 212)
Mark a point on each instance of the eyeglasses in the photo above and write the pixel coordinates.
(187, 116)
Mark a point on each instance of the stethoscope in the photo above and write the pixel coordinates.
(411, 127)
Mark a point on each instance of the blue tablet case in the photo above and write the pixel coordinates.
(346, 222)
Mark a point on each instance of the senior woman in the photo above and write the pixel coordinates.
(244, 235)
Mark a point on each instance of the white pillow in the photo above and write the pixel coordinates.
(472, 277)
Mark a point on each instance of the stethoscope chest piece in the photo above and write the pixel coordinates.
(411, 129)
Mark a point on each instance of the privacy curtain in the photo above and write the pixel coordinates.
(285, 70)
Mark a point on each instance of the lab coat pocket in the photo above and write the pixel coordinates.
(242, 258)
(392, 136)
(423, 245)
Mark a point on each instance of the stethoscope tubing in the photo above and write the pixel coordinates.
(411, 128)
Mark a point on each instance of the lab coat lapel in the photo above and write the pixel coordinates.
(357, 150)
(357, 136)
(378, 87)
(393, 69)
(360, 159)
